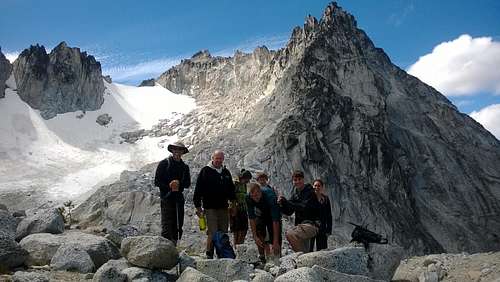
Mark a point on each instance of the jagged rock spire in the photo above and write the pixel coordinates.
(65, 80)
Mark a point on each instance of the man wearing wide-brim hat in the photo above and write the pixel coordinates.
(172, 177)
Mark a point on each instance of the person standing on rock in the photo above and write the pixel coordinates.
(306, 208)
(239, 222)
(325, 227)
(214, 188)
(265, 220)
(172, 177)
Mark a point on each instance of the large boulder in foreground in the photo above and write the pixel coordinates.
(379, 262)
(42, 247)
(144, 274)
(225, 269)
(450, 267)
(66, 80)
(43, 221)
(25, 276)
(111, 271)
(72, 257)
(152, 252)
(317, 273)
(247, 253)
(122, 270)
(8, 224)
(350, 260)
(193, 275)
(116, 235)
(11, 253)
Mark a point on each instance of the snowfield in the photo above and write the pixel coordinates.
(69, 155)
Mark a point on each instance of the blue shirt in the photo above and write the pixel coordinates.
(267, 208)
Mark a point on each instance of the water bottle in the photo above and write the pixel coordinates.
(202, 222)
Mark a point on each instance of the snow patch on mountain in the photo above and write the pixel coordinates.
(65, 157)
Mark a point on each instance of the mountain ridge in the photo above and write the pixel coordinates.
(394, 151)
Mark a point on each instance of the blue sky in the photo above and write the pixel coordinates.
(135, 40)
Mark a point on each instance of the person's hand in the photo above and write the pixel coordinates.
(276, 248)
(174, 185)
(199, 212)
(258, 241)
(281, 199)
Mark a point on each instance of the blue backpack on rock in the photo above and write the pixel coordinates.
(223, 245)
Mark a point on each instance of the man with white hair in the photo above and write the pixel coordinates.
(214, 188)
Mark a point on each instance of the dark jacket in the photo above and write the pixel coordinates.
(305, 206)
(168, 170)
(326, 217)
(213, 189)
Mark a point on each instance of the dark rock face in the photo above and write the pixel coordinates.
(5, 70)
(107, 78)
(394, 152)
(147, 82)
(65, 80)
(104, 119)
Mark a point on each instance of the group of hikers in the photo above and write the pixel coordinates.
(225, 203)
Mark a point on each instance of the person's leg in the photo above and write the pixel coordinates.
(164, 216)
(280, 237)
(168, 220)
(261, 234)
(233, 228)
(300, 236)
(241, 236)
(321, 241)
(181, 219)
(241, 226)
(222, 216)
(293, 238)
(211, 216)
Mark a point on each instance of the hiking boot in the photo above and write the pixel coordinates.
(209, 255)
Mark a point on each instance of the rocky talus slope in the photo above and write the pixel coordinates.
(66, 80)
(394, 152)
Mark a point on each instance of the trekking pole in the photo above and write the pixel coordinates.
(178, 233)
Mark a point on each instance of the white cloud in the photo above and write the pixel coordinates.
(11, 56)
(141, 71)
(461, 67)
(398, 18)
(133, 73)
(489, 117)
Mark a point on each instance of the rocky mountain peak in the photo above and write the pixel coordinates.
(5, 70)
(62, 45)
(333, 13)
(65, 80)
(394, 152)
(201, 56)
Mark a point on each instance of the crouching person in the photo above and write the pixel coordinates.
(306, 208)
(265, 220)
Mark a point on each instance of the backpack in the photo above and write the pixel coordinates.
(362, 235)
(222, 245)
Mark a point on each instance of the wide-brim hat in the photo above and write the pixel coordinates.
(178, 145)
